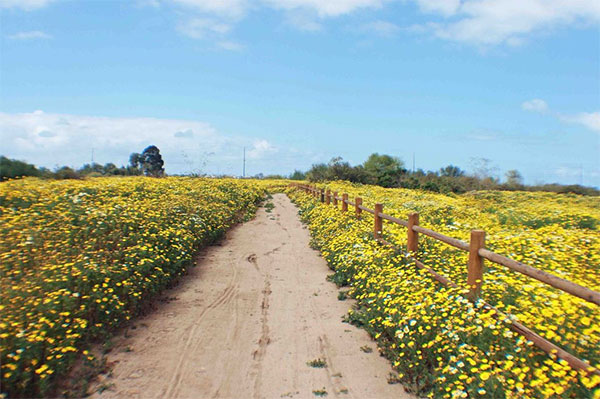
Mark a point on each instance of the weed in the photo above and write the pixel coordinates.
(393, 379)
(320, 392)
(317, 363)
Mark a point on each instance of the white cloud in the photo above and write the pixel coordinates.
(382, 28)
(210, 29)
(493, 22)
(303, 20)
(227, 8)
(202, 28)
(30, 35)
(443, 7)
(148, 3)
(47, 139)
(535, 105)
(230, 45)
(329, 8)
(590, 120)
(27, 5)
(261, 148)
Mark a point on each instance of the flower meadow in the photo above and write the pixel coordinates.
(441, 344)
(80, 258)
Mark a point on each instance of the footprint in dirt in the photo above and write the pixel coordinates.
(252, 259)
(139, 373)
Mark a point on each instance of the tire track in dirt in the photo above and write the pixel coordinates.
(246, 322)
(221, 299)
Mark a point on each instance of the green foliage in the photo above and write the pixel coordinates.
(388, 171)
(11, 168)
(66, 173)
(385, 170)
(298, 175)
(152, 162)
(514, 178)
(451, 171)
(317, 363)
(338, 170)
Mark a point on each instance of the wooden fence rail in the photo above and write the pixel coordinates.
(475, 266)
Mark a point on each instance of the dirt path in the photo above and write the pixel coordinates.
(246, 321)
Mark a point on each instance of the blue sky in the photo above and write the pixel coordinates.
(300, 81)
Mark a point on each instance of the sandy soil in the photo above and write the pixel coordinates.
(244, 324)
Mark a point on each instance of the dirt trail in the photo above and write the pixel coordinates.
(244, 324)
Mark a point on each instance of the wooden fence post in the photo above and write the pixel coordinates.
(475, 267)
(357, 204)
(378, 223)
(328, 197)
(412, 239)
(345, 202)
(335, 194)
(322, 195)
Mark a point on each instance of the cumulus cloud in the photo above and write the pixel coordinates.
(188, 134)
(226, 8)
(493, 22)
(260, 148)
(590, 120)
(48, 139)
(202, 28)
(27, 5)
(476, 22)
(443, 7)
(330, 8)
(230, 45)
(303, 20)
(211, 29)
(29, 35)
(535, 105)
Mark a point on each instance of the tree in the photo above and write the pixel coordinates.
(66, 172)
(11, 168)
(318, 172)
(298, 175)
(385, 170)
(514, 178)
(152, 163)
(451, 171)
(482, 168)
(135, 160)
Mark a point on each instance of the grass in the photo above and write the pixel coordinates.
(317, 363)
(269, 206)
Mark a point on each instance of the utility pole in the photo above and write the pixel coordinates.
(92, 155)
(244, 168)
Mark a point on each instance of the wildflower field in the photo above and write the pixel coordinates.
(441, 344)
(79, 258)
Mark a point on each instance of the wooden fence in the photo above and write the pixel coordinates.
(475, 266)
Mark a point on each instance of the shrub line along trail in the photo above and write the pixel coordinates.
(244, 323)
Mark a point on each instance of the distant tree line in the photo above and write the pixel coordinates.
(148, 163)
(388, 171)
(383, 170)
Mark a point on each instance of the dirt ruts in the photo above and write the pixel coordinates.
(244, 324)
